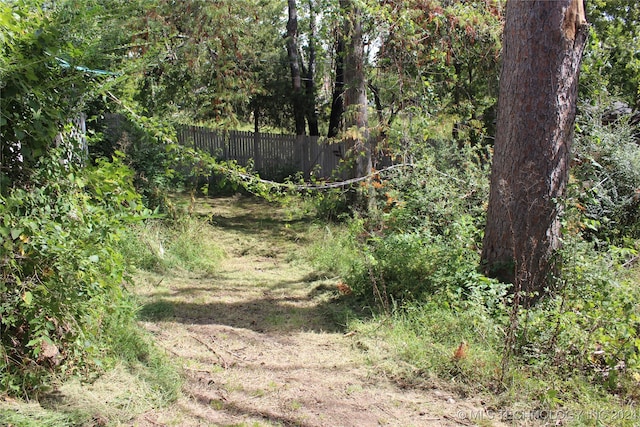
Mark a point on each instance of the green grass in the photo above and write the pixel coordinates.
(418, 342)
(334, 249)
(185, 243)
(126, 389)
(35, 416)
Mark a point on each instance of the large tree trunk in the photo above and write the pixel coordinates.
(355, 95)
(294, 65)
(356, 105)
(543, 45)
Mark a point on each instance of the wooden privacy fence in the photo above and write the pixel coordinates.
(274, 156)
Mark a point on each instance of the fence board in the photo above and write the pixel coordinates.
(274, 156)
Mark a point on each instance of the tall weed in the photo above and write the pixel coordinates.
(336, 250)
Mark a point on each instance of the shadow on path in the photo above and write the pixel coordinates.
(283, 314)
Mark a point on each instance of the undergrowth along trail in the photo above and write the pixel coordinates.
(262, 340)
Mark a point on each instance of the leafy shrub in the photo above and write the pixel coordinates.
(591, 327)
(414, 266)
(62, 278)
(443, 184)
(607, 178)
(143, 141)
(423, 237)
(331, 205)
(38, 95)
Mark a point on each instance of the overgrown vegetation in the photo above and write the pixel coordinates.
(415, 261)
(606, 177)
(65, 309)
(70, 235)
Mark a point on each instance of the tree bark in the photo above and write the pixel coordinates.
(356, 106)
(294, 66)
(543, 45)
(337, 102)
(355, 95)
(310, 86)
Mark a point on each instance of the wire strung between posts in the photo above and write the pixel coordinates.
(324, 186)
(298, 187)
(329, 185)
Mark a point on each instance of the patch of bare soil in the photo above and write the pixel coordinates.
(260, 342)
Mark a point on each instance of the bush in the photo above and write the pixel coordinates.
(443, 184)
(606, 178)
(591, 327)
(62, 277)
(143, 143)
(424, 236)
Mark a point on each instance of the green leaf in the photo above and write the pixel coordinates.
(33, 342)
(27, 297)
(15, 233)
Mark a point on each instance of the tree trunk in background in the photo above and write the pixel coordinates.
(310, 86)
(543, 45)
(294, 65)
(337, 103)
(257, 153)
(355, 95)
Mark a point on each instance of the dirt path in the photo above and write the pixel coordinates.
(261, 343)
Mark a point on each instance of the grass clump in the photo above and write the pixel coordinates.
(336, 248)
(421, 342)
(124, 391)
(135, 351)
(183, 243)
(33, 415)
